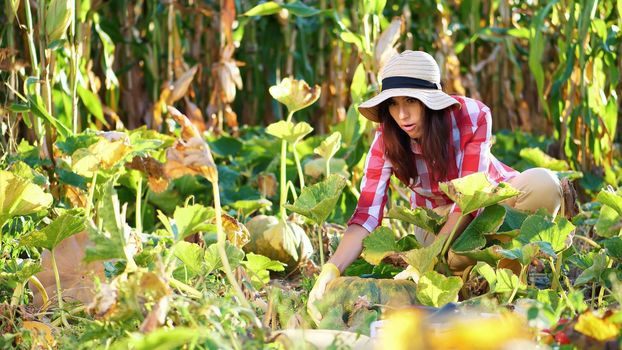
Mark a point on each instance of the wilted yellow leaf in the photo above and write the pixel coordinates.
(295, 94)
(103, 154)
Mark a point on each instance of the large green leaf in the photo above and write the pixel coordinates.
(19, 196)
(473, 237)
(425, 218)
(66, 225)
(540, 159)
(528, 252)
(611, 199)
(537, 228)
(19, 270)
(192, 255)
(188, 220)
(424, 259)
(594, 272)
(614, 247)
(506, 281)
(379, 244)
(286, 130)
(258, 267)
(437, 290)
(474, 191)
(329, 146)
(105, 245)
(317, 201)
(213, 261)
(489, 255)
(609, 222)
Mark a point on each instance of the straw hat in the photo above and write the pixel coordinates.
(413, 74)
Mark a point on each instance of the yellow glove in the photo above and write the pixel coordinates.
(329, 272)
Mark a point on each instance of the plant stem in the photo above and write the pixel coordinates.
(320, 244)
(221, 247)
(301, 176)
(59, 295)
(327, 169)
(73, 73)
(184, 287)
(34, 64)
(588, 241)
(44, 294)
(138, 210)
(601, 293)
(593, 295)
(17, 294)
(451, 236)
(520, 278)
(556, 268)
(283, 178)
(89, 202)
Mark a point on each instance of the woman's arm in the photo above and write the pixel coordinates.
(350, 247)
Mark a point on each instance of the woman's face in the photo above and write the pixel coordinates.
(408, 113)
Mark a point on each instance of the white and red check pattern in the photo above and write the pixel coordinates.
(469, 145)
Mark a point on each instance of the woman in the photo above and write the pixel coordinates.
(426, 137)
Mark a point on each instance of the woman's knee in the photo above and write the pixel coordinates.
(541, 189)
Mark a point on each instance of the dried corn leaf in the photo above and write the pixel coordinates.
(190, 155)
(195, 115)
(385, 46)
(179, 88)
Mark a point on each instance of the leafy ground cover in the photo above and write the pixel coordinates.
(200, 232)
(177, 238)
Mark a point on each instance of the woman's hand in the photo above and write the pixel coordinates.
(348, 250)
(329, 273)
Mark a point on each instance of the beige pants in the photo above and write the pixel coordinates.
(540, 188)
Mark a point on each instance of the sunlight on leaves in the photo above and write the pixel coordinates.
(317, 201)
(329, 147)
(259, 267)
(538, 228)
(540, 159)
(423, 217)
(295, 94)
(20, 196)
(286, 130)
(379, 244)
(475, 191)
(67, 224)
(437, 290)
(473, 237)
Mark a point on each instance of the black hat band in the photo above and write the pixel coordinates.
(407, 82)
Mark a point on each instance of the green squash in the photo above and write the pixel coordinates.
(353, 303)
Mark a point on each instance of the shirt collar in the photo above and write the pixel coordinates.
(415, 147)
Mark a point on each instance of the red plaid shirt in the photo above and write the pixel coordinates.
(469, 145)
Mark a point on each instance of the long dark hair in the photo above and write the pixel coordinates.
(434, 145)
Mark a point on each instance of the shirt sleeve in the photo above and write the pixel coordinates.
(378, 169)
(476, 152)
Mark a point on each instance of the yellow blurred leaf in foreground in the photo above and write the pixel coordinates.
(41, 333)
(596, 327)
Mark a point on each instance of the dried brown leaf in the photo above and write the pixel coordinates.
(267, 184)
(179, 88)
(76, 277)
